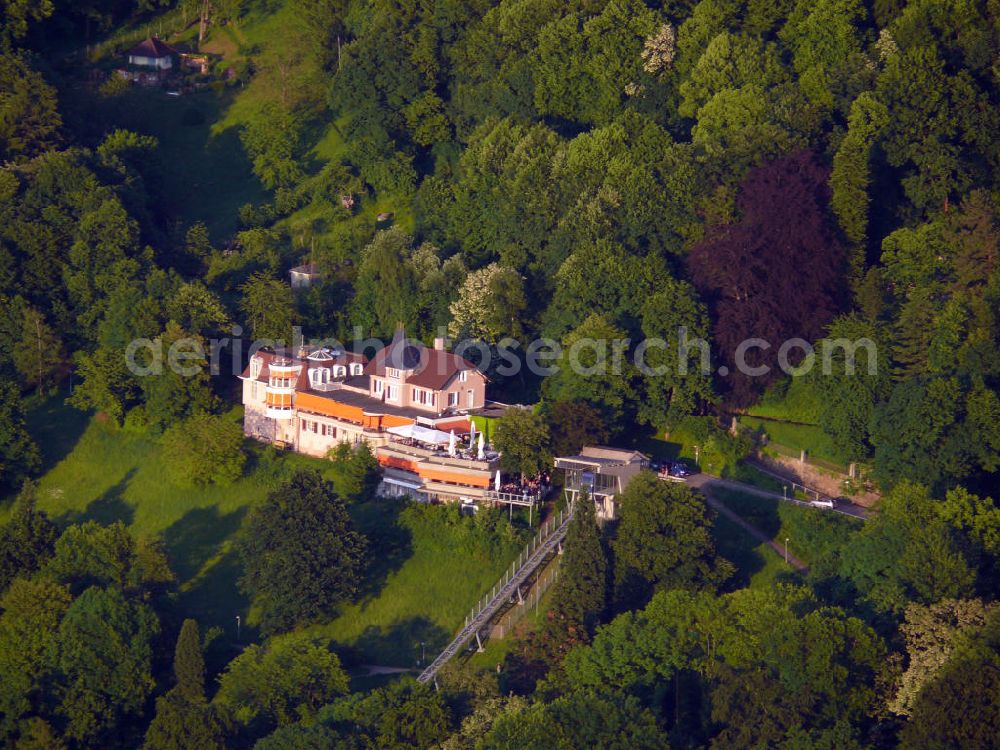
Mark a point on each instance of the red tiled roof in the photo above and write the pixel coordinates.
(432, 368)
(152, 47)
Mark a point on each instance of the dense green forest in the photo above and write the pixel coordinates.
(583, 169)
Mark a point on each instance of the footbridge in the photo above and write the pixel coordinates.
(509, 590)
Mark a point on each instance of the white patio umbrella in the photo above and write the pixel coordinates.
(423, 434)
(497, 482)
(482, 447)
(451, 444)
(472, 435)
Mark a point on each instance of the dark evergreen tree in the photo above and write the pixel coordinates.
(580, 595)
(575, 424)
(189, 662)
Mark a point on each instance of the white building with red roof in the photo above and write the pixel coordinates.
(403, 403)
(152, 53)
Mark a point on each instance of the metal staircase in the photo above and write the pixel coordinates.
(509, 589)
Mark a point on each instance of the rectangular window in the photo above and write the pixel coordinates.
(378, 387)
(452, 399)
(392, 392)
(463, 376)
(391, 373)
(329, 431)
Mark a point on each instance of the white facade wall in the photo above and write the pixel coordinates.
(160, 63)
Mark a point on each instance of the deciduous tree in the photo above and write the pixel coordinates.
(19, 457)
(663, 541)
(284, 681)
(27, 539)
(522, 437)
(777, 274)
(204, 449)
(301, 556)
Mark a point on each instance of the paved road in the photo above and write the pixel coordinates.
(707, 482)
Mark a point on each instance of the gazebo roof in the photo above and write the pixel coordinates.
(152, 47)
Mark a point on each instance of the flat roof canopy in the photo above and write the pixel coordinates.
(586, 463)
(421, 434)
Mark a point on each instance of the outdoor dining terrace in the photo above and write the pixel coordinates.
(439, 454)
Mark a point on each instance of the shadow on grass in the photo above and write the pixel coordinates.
(399, 645)
(106, 509)
(215, 599)
(390, 543)
(197, 537)
(757, 511)
(56, 428)
(194, 174)
(734, 544)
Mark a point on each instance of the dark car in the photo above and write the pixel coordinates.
(681, 470)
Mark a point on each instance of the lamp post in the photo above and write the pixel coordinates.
(237, 628)
(697, 454)
(786, 550)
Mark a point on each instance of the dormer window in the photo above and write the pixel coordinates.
(391, 373)
(256, 363)
(356, 369)
(339, 371)
(319, 376)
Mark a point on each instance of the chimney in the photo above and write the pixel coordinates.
(439, 344)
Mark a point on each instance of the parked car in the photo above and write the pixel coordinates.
(680, 470)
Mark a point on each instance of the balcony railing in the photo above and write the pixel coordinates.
(592, 490)
(525, 499)
(438, 456)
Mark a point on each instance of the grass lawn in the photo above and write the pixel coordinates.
(757, 565)
(813, 534)
(798, 437)
(427, 571)
(432, 568)
(205, 174)
(750, 475)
